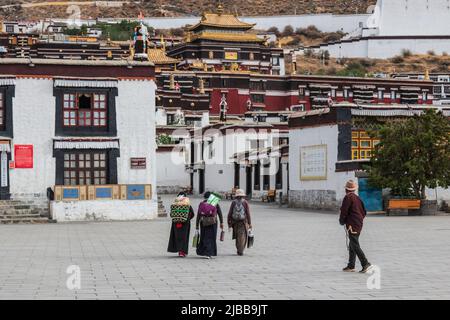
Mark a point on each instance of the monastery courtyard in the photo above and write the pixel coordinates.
(297, 255)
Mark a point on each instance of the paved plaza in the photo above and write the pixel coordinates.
(297, 255)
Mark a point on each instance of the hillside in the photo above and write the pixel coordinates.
(13, 10)
(406, 62)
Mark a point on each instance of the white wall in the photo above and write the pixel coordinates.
(135, 108)
(304, 137)
(103, 210)
(34, 123)
(169, 174)
(414, 17)
(385, 48)
(325, 22)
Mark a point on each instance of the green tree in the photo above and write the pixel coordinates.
(412, 155)
(162, 139)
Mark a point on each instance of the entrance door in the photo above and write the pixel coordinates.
(372, 198)
(201, 181)
(248, 181)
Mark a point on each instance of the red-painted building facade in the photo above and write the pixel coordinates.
(243, 92)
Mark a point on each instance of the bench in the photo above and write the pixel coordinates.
(270, 196)
(230, 195)
(406, 204)
(403, 207)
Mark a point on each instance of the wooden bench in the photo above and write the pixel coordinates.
(406, 204)
(230, 195)
(403, 207)
(270, 196)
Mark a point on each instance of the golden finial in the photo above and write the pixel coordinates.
(131, 51)
(427, 75)
(172, 82)
(201, 86)
(163, 43)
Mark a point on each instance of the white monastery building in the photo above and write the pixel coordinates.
(78, 137)
(419, 26)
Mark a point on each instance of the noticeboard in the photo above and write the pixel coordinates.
(23, 156)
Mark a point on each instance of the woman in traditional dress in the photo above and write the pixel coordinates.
(240, 220)
(207, 222)
(180, 231)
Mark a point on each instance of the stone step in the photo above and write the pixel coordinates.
(22, 216)
(23, 213)
(25, 220)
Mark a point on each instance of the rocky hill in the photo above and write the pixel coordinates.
(40, 9)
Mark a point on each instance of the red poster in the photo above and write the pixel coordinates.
(23, 156)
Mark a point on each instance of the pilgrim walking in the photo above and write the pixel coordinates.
(240, 220)
(352, 216)
(207, 222)
(181, 213)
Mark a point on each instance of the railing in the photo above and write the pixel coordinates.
(104, 192)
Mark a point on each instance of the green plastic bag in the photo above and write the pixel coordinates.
(196, 239)
(214, 199)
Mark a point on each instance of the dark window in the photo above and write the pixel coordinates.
(257, 85)
(84, 110)
(279, 176)
(266, 177)
(257, 183)
(85, 168)
(257, 98)
(170, 119)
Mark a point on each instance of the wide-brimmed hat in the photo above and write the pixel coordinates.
(240, 193)
(351, 185)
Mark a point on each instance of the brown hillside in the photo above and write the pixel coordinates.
(183, 8)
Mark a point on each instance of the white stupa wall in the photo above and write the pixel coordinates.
(413, 17)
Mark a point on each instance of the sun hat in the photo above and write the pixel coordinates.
(240, 193)
(351, 185)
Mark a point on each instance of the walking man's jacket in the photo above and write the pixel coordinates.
(352, 212)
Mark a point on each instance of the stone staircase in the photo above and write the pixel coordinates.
(161, 209)
(24, 211)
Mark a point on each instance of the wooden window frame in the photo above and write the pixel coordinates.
(107, 125)
(82, 116)
(78, 174)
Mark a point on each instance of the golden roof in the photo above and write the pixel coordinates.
(229, 37)
(221, 20)
(158, 56)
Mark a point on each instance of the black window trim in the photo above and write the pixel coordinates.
(110, 130)
(8, 95)
(112, 155)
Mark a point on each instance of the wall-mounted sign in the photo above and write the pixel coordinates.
(313, 162)
(23, 156)
(138, 163)
(231, 55)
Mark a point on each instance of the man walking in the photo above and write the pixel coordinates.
(352, 216)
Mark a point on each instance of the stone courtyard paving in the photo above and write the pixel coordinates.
(297, 255)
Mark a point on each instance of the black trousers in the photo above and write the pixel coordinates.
(355, 250)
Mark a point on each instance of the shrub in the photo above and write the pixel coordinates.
(294, 42)
(353, 69)
(406, 53)
(310, 32)
(333, 36)
(309, 53)
(431, 53)
(397, 59)
(288, 31)
(275, 31)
